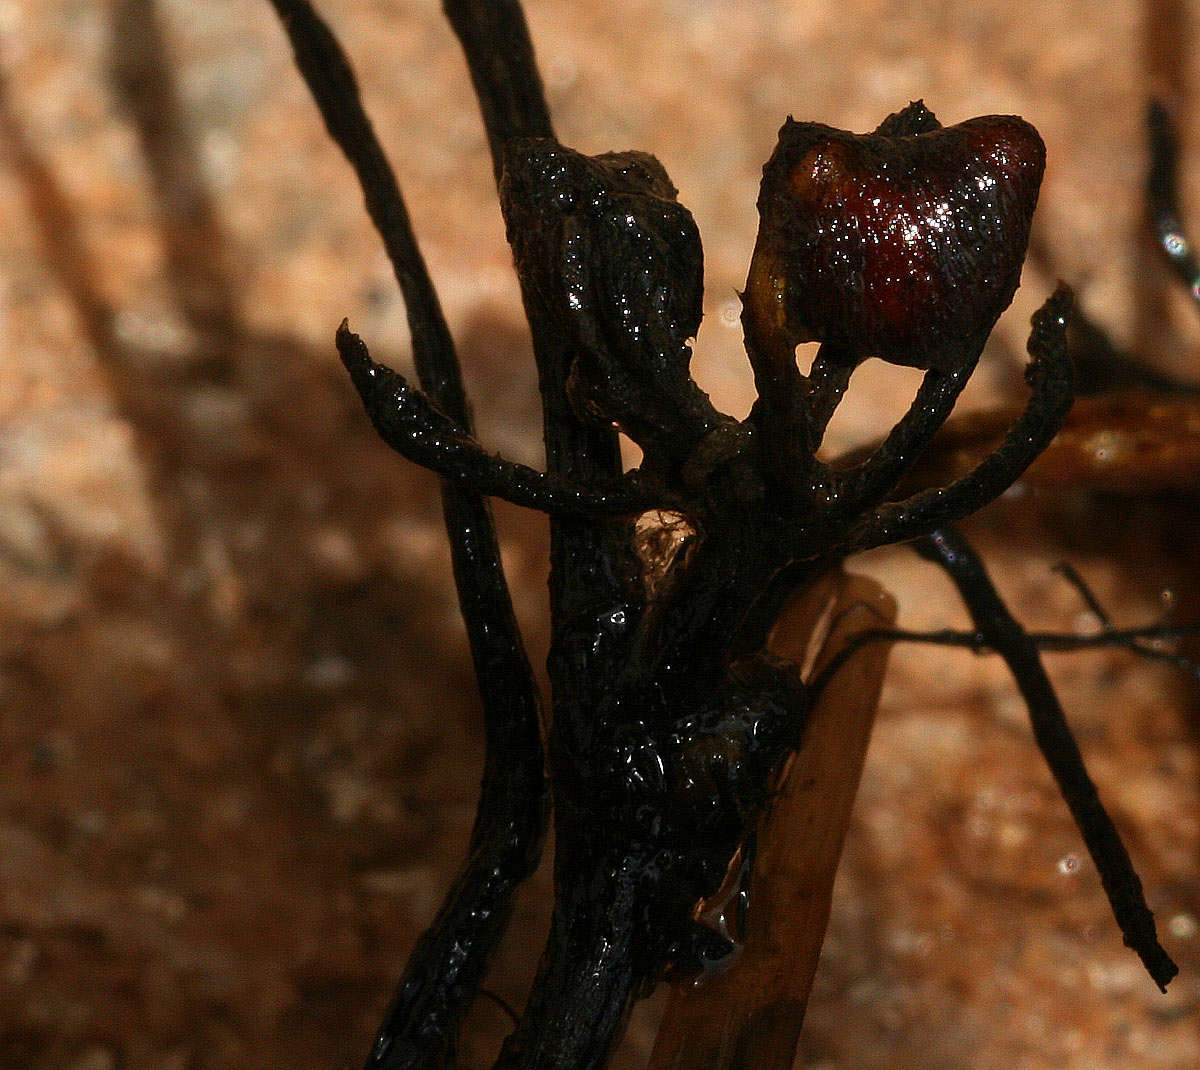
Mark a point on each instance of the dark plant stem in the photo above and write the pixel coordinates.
(499, 53)
(331, 81)
(582, 993)
(1051, 379)
(879, 474)
(408, 422)
(449, 962)
(670, 716)
(592, 574)
(496, 42)
(1001, 631)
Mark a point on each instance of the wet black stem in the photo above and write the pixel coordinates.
(581, 994)
(1051, 378)
(331, 81)
(448, 964)
(585, 983)
(1004, 634)
(499, 53)
(879, 474)
(408, 422)
(496, 42)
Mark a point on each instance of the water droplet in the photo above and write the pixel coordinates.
(1068, 865)
(1183, 926)
(1175, 244)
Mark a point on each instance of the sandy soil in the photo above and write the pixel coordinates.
(239, 742)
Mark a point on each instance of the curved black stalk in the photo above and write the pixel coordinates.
(1051, 378)
(1000, 631)
(448, 963)
(331, 81)
(878, 475)
(409, 422)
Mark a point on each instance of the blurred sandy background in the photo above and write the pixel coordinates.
(239, 741)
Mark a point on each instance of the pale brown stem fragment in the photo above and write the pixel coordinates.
(749, 1017)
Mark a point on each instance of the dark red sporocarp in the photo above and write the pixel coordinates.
(905, 245)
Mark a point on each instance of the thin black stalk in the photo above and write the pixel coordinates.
(1140, 645)
(1116, 637)
(331, 81)
(448, 964)
(1133, 640)
(1072, 576)
(495, 40)
(1004, 634)
(408, 422)
(1051, 379)
(879, 474)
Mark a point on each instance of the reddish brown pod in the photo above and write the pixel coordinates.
(904, 244)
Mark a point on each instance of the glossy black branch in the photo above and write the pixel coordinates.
(448, 964)
(1004, 634)
(1162, 199)
(871, 481)
(409, 422)
(500, 57)
(1051, 378)
(331, 81)
(495, 40)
